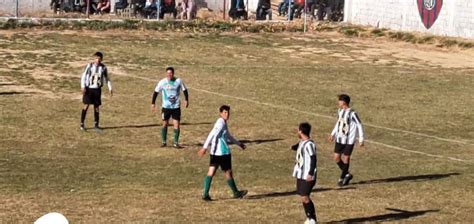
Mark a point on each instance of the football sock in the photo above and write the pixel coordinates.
(345, 170)
(83, 116)
(164, 134)
(207, 185)
(340, 164)
(96, 118)
(309, 210)
(176, 136)
(232, 186)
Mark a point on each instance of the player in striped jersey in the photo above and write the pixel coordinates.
(218, 139)
(170, 87)
(305, 170)
(92, 80)
(347, 127)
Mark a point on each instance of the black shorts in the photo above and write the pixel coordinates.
(304, 188)
(175, 114)
(92, 96)
(225, 162)
(343, 149)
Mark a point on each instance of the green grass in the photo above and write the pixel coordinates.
(121, 175)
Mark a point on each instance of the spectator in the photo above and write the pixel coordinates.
(103, 6)
(168, 6)
(150, 9)
(237, 10)
(187, 9)
(264, 8)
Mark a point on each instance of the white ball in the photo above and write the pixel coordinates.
(52, 218)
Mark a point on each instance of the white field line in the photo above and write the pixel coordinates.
(330, 117)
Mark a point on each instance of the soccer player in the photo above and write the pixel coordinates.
(305, 170)
(170, 87)
(348, 125)
(220, 154)
(92, 80)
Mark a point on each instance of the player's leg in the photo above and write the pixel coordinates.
(207, 181)
(176, 116)
(83, 116)
(338, 150)
(346, 159)
(96, 116)
(165, 117)
(227, 168)
(304, 189)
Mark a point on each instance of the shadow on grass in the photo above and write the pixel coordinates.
(260, 141)
(246, 141)
(395, 214)
(151, 125)
(12, 93)
(290, 193)
(426, 177)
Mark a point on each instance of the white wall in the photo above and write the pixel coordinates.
(455, 19)
(8, 7)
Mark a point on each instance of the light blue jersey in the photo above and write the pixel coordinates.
(170, 90)
(219, 138)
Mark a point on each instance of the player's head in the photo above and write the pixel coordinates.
(98, 57)
(344, 100)
(304, 129)
(170, 73)
(224, 110)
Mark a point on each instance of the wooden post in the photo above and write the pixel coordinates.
(88, 5)
(223, 9)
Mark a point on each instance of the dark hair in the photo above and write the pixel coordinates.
(305, 128)
(170, 69)
(344, 97)
(224, 108)
(99, 54)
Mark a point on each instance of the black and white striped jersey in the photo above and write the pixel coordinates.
(95, 76)
(305, 160)
(348, 126)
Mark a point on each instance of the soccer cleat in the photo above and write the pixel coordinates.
(177, 146)
(163, 144)
(98, 129)
(206, 198)
(82, 128)
(347, 179)
(340, 182)
(310, 221)
(240, 194)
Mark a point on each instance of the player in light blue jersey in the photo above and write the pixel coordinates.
(218, 139)
(170, 89)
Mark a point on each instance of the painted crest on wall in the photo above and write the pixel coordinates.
(429, 11)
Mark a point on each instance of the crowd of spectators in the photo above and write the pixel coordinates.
(187, 9)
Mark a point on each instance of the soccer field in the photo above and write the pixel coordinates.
(414, 102)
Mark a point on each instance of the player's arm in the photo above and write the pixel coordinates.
(231, 139)
(310, 149)
(157, 91)
(109, 82)
(83, 79)
(215, 130)
(333, 133)
(360, 129)
(295, 146)
(186, 94)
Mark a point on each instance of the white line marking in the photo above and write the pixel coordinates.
(330, 117)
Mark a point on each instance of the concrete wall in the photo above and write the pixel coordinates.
(456, 17)
(25, 7)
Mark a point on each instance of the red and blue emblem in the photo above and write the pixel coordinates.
(429, 11)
